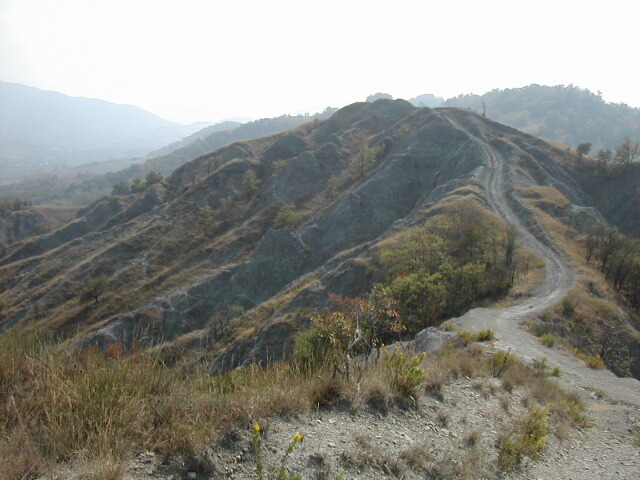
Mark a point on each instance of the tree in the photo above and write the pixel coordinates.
(154, 177)
(250, 182)
(605, 155)
(226, 205)
(365, 159)
(627, 151)
(510, 237)
(286, 217)
(120, 188)
(137, 185)
(206, 220)
(614, 350)
(583, 149)
(94, 289)
(333, 187)
(378, 96)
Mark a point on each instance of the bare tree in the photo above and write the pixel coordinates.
(627, 151)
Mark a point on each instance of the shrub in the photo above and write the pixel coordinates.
(527, 440)
(568, 307)
(548, 340)
(485, 335)
(286, 217)
(312, 349)
(500, 362)
(466, 337)
(405, 375)
(572, 410)
(448, 326)
(540, 364)
(594, 361)
(472, 438)
(555, 372)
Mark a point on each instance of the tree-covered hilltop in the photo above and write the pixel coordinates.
(565, 114)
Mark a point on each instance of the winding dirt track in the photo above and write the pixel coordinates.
(605, 451)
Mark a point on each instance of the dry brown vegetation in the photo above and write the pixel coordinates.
(101, 408)
(592, 312)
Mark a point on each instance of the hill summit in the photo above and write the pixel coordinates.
(228, 252)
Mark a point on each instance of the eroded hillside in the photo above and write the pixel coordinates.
(227, 253)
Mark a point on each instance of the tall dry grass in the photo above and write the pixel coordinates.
(101, 407)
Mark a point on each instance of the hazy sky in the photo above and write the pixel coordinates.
(191, 60)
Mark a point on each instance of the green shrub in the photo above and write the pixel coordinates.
(527, 440)
(540, 364)
(405, 375)
(448, 326)
(572, 411)
(500, 362)
(286, 217)
(548, 340)
(485, 335)
(313, 349)
(466, 337)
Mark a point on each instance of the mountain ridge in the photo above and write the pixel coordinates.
(395, 165)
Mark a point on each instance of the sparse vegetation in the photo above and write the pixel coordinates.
(548, 340)
(286, 217)
(250, 182)
(94, 289)
(58, 404)
(527, 440)
(594, 361)
(273, 472)
(405, 374)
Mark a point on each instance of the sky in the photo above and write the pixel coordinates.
(207, 60)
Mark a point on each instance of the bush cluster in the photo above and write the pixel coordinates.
(439, 270)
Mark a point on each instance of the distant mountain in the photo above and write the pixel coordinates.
(83, 188)
(41, 129)
(565, 114)
(202, 133)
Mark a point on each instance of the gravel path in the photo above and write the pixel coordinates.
(605, 451)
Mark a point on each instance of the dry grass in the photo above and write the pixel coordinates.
(97, 408)
(58, 405)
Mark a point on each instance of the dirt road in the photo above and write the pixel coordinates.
(605, 451)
